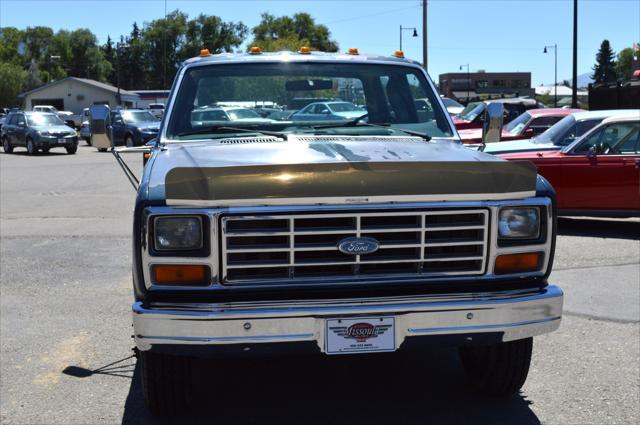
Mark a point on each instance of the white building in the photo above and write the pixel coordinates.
(73, 94)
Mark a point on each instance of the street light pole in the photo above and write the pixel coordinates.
(468, 82)
(425, 45)
(415, 33)
(555, 86)
(119, 47)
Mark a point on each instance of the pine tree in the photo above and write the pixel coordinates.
(604, 71)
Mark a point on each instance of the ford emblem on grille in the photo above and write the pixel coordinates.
(358, 246)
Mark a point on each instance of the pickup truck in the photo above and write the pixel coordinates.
(333, 237)
(73, 120)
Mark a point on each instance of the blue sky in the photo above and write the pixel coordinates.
(490, 35)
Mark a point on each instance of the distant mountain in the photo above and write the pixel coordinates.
(583, 80)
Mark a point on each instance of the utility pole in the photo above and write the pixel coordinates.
(164, 49)
(574, 88)
(425, 54)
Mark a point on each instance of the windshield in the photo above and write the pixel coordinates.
(448, 103)
(517, 126)
(343, 107)
(44, 119)
(138, 116)
(472, 110)
(242, 114)
(387, 93)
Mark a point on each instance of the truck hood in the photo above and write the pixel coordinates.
(313, 170)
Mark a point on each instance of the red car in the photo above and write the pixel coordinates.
(472, 115)
(526, 126)
(598, 174)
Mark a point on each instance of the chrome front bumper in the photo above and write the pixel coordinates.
(510, 315)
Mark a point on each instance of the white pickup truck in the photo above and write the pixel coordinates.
(74, 120)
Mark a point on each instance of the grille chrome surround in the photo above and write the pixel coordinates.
(267, 248)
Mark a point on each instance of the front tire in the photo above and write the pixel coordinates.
(498, 370)
(88, 142)
(102, 149)
(72, 150)
(31, 147)
(6, 146)
(166, 383)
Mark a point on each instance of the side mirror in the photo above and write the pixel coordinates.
(99, 117)
(492, 123)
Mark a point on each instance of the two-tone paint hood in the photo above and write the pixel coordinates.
(332, 170)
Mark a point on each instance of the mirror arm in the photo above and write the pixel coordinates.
(125, 168)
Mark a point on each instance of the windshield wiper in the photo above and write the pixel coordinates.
(214, 128)
(356, 122)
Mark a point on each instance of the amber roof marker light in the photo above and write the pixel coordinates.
(353, 51)
(305, 50)
(204, 52)
(255, 50)
(399, 54)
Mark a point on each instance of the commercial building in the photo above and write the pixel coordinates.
(73, 94)
(466, 87)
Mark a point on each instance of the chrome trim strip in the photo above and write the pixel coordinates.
(232, 338)
(479, 197)
(515, 314)
(474, 328)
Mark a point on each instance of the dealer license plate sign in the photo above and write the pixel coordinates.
(360, 335)
(61, 141)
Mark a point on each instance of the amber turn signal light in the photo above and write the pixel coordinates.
(518, 263)
(181, 275)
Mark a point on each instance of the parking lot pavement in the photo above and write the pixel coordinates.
(65, 327)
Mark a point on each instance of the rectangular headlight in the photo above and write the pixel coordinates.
(519, 223)
(177, 233)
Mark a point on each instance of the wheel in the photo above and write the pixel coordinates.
(166, 382)
(129, 141)
(88, 141)
(45, 150)
(71, 150)
(31, 148)
(102, 149)
(500, 369)
(6, 146)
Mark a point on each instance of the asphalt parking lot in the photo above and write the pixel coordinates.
(65, 327)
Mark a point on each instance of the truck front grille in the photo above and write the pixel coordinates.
(304, 247)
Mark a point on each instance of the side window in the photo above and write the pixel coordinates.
(540, 124)
(630, 144)
(20, 120)
(421, 102)
(611, 139)
(13, 120)
(591, 140)
(583, 126)
(321, 109)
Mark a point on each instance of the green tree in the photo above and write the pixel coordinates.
(13, 79)
(11, 42)
(212, 33)
(88, 58)
(624, 64)
(291, 33)
(604, 71)
(163, 39)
